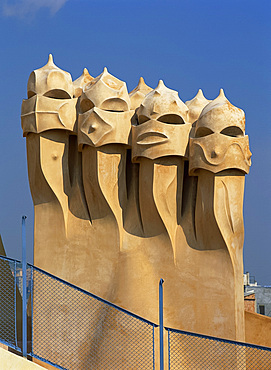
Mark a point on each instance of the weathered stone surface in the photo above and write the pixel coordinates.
(126, 191)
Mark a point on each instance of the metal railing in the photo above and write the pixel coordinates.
(195, 351)
(10, 303)
(73, 329)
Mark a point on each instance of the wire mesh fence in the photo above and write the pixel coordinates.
(10, 303)
(77, 330)
(196, 352)
(74, 329)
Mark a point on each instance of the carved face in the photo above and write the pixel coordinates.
(220, 142)
(104, 116)
(167, 135)
(161, 130)
(50, 104)
(99, 127)
(105, 92)
(41, 113)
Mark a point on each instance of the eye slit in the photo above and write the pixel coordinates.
(86, 105)
(114, 105)
(57, 94)
(171, 119)
(142, 119)
(232, 131)
(30, 94)
(203, 131)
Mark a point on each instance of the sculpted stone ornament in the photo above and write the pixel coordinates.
(161, 130)
(138, 94)
(219, 156)
(50, 104)
(220, 142)
(100, 127)
(104, 116)
(196, 105)
(40, 113)
(81, 82)
(129, 188)
(105, 92)
(160, 143)
(104, 124)
(50, 81)
(49, 123)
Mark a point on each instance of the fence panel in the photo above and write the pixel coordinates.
(77, 330)
(190, 351)
(10, 303)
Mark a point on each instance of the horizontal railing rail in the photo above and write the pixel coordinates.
(9, 259)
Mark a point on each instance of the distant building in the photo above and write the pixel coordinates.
(249, 280)
(250, 302)
(256, 296)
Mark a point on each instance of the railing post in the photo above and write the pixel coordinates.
(24, 288)
(161, 324)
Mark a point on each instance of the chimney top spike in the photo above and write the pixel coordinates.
(50, 59)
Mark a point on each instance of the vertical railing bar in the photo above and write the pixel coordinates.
(15, 302)
(24, 288)
(32, 286)
(168, 349)
(161, 324)
(153, 348)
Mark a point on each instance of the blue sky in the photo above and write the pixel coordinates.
(189, 44)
